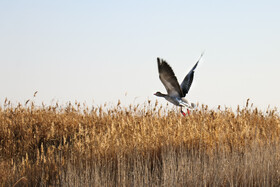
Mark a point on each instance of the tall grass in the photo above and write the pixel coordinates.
(137, 146)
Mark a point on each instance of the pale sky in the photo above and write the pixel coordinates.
(102, 51)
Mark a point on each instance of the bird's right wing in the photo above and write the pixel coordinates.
(187, 82)
(168, 79)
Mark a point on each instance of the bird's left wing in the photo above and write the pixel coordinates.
(168, 79)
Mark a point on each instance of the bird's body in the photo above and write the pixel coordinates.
(175, 93)
(175, 100)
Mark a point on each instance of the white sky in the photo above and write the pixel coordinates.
(98, 51)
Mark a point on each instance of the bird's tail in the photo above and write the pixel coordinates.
(185, 103)
(192, 106)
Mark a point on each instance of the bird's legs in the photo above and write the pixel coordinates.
(184, 114)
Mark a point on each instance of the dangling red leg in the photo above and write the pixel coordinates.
(184, 114)
(188, 111)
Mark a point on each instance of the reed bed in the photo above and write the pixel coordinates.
(146, 145)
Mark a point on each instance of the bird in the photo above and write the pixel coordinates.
(176, 93)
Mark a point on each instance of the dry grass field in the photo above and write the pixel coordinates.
(138, 146)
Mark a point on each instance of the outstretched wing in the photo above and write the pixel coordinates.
(187, 82)
(168, 79)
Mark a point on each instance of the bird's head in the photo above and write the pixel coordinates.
(159, 94)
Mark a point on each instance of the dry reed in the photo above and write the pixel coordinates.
(137, 146)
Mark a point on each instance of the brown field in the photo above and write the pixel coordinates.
(138, 146)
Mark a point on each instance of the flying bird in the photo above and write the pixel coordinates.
(175, 93)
